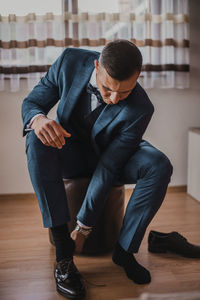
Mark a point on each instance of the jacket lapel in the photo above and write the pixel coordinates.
(109, 113)
(107, 116)
(78, 84)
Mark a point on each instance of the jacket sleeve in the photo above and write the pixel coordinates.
(108, 169)
(44, 95)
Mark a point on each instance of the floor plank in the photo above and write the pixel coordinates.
(27, 258)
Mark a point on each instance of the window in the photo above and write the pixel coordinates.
(92, 6)
(24, 7)
(30, 44)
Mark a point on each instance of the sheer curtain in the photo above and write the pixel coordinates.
(28, 46)
(160, 28)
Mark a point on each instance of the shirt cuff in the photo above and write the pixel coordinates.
(28, 126)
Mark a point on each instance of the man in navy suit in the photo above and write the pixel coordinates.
(101, 117)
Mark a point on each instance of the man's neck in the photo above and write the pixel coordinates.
(93, 80)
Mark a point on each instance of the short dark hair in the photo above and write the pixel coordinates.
(121, 59)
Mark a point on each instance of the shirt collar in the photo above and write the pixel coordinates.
(93, 80)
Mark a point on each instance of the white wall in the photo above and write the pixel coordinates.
(175, 112)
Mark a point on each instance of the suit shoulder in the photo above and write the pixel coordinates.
(79, 53)
(142, 99)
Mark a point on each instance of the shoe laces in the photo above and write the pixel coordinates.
(189, 245)
(67, 266)
(180, 236)
(94, 283)
(185, 240)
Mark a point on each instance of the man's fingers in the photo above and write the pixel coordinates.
(45, 138)
(42, 139)
(65, 133)
(52, 139)
(59, 133)
(51, 133)
(54, 136)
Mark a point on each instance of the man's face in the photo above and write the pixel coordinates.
(112, 90)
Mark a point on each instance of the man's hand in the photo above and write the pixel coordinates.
(49, 132)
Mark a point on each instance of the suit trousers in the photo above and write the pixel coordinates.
(148, 168)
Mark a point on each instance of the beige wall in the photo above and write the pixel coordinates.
(175, 112)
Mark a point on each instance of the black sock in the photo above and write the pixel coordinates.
(133, 269)
(63, 242)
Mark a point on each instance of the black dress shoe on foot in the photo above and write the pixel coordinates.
(69, 281)
(159, 242)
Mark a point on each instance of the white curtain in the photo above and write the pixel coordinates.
(160, 28)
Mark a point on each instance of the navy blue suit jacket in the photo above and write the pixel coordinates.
(119, 128)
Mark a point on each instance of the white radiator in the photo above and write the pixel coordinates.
(193, 178)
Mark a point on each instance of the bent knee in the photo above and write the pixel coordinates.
(34, 145)
(34, 142)
(161, 165)
(32, 139)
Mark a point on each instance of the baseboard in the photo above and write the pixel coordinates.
(177, 189)
(170, 189)
(18, 196)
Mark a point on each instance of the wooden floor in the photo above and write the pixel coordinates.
(27, 258)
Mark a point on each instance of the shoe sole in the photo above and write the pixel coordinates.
(161, 250)
(69, 296)
(157, 250)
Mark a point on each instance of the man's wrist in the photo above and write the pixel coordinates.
(34, 121)
(28, 126)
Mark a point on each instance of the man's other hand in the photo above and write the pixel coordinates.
(49, 132)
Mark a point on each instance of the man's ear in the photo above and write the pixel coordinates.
(96, 64)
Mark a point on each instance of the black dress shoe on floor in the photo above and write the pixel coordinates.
(69, 281)
(159, 242)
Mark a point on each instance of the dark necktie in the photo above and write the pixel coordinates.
(93, 90)
(93, 115)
